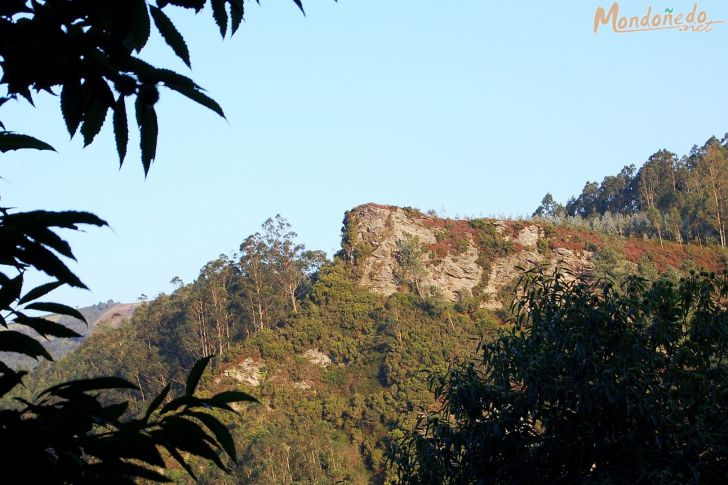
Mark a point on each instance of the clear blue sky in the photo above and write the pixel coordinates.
(475, 107)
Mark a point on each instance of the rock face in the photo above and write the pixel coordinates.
(247, 372)
(379, 230)
(454, 261)
(317, 357)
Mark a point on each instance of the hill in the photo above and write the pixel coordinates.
(392, 249)
(99, 315)
(339, 352)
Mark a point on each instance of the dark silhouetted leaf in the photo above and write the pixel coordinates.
(190, 437)
(46, 327)
(197, 96)
(12, 341)
(121, 128)
(178, 402)
(220, 15)
(10, 291)
(65, 219)
(56, 308)
(237, 12)
(115, 411)
(300, 6)
(195, 4)
(171, 78)
(25, 93)
(93, 120)
(39, 291)
(70, 219)
(126, 444)
(9, 379)
(16, 141)
(156, 402)
(195, 374)
(72, 105)
(232, 396)
(178, 457)
(42, 259)
(51, 240)
(140, 25)
(222, 434)
(170, 34)
(148, 131)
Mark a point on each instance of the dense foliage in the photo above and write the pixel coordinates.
(595, 383)
(669, 197)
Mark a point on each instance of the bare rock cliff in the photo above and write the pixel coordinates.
(453, 258)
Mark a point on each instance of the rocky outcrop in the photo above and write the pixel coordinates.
(457, 258)
(246, 372)
(317, 357)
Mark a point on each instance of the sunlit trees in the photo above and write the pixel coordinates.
(594, 384)
(274, 270)
(684, 199)
(712, 169)
(290, 262)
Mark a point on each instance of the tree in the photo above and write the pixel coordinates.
(410, 251)
(683, 198)
(586, 204)
(712, 170)
(87, 53)
(274, 270)
(594, 383)
(292, 263)
(549, 207)
(674, 224)
(656, 221)
(257, 285)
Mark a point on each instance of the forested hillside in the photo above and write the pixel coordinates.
(335, 366)
(339, 366)
(669, 198)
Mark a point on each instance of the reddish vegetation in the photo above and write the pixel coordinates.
(441, 249)
(513, 228)
(672, 254)
(575, 239)
(453, 235)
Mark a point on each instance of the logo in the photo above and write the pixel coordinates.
(695, 20)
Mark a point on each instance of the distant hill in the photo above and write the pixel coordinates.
(109, 314)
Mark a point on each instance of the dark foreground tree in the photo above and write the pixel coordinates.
(594, 384)
(86, 52)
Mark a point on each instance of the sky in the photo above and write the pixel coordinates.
(469, 107)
